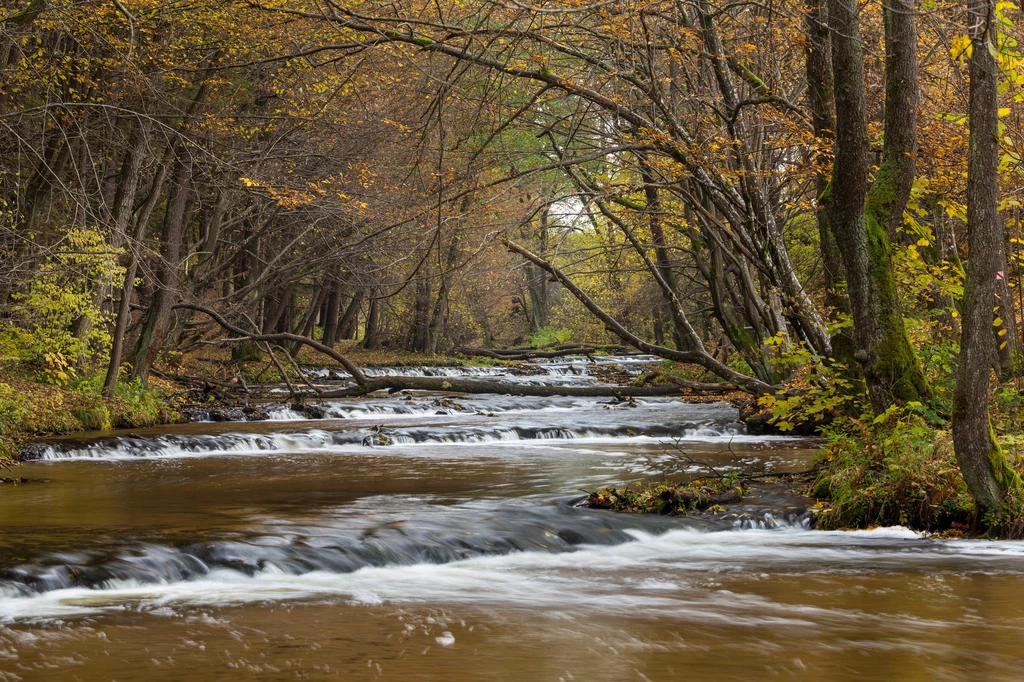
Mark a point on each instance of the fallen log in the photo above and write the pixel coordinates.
(526, 354)
(442, 384)
(700, 386)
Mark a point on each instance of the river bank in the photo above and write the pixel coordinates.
(37, 401)
(31, 408)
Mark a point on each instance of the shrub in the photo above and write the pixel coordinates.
(897, 470)
(64, 294)
(549, 336)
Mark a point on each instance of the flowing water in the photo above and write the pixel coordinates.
(435, 538)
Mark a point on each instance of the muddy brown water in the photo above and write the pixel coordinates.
(449, 549)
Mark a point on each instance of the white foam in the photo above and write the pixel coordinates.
(591, 580)
(319, 441)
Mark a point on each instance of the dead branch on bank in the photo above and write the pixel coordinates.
(699, 386)
(697, 356)
(366, 385)
(243, 335)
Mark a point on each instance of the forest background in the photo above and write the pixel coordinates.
(815, 204)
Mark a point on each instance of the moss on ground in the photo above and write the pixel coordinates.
(668, 498)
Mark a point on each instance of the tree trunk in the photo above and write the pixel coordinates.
(124, 308)
(984, 466)
(1008, 363)
(821, 99)
(158, 317)
(349, 325)
(661, 255)
(121, 214)
(274, 308)
(330, 321)
(862, 217)
(439, 315)
(305, 327)
(420, 332)
(153, 326)
(371, 334)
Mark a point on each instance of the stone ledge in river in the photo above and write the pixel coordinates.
(310, 411)
(31, 451)
(247, 413)
(757, 504)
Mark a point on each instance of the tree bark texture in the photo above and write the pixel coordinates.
(862, 215)
(984, 466)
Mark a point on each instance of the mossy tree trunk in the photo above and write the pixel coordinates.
(863, 214)
(983, 464)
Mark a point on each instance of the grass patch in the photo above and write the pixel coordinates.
(901, 471)
(32, 405)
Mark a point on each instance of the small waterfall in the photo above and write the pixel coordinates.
(439, 535)
(316, 440)
(571, 370)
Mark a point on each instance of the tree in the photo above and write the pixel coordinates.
(864, 214)
(985, 468)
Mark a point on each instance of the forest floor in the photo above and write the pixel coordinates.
(35, 403)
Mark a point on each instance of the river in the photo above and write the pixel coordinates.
(431, 538)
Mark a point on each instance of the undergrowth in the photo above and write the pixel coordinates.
(51, 400)
(900, 469)
(897, 471)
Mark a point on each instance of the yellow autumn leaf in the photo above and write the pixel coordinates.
(960, 47)
(1004, 111)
